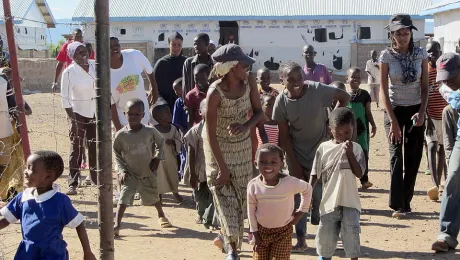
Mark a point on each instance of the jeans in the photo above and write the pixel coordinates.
(301, 227)
(81, 126)
(450, 205)
(402, 185)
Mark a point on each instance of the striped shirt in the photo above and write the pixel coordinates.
(272, 132)
(436, 102)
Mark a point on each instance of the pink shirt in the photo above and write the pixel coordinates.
(319, 74)
(272, 206)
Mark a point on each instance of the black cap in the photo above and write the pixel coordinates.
(400, 21)
(446, 66)
(232, 52)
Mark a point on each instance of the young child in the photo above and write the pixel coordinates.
(373, 79)
(179, 116)
(168, 180)
(198, 180)
(300, 112)
(339, 85)
(44, 212)
(270, 126)
(197, 94)
(264, 79)
(138, 151)
(272, 229)
(338, 163)
(360, 103)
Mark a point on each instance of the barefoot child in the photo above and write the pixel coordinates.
(272, 229)
(300, 112)
(138, 151)
(44, 212)
(198, 181)
(338, 163)
(168, 180)
(360, 103)
(373, 77)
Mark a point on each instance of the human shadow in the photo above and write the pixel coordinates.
(183, 233)
(383, 225)
(374, 253)
(389, 212)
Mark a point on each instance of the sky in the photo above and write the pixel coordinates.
(62, 9)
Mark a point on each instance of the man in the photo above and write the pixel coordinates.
(200, 44)
(4, 56)
(63, 59)
(373, 77)
(448, 72)
(169, 68)
(314, 71)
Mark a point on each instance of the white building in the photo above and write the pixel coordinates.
(272, 31)
(31, 20)
(446, 22)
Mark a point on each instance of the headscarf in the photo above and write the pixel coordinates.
(72, 48)
(221, 69)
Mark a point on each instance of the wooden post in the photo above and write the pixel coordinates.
(104, 130)
(16, 79)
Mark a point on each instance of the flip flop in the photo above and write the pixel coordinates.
(299, 249)
(164, 222)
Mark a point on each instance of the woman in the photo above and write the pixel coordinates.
(404, 88)
(11, 152)
(227, 142)
(78, 98)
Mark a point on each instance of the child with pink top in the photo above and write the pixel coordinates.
(272, 229)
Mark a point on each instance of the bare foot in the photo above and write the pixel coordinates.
(178, 197)
(116, 231)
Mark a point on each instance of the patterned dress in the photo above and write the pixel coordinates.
(230, 202)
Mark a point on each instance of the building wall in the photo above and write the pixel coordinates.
(38, 74)
(270, 42)
(446, 29)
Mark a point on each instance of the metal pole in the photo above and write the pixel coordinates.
(103, 131)
(15, 73)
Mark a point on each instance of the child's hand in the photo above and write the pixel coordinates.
(296, 217)
(348, 148)
(169, 142)
(257, 241)
(154, 164)
(429, 126)
(89, 256)
(373, 131)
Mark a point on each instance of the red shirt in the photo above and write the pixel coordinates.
(436, 103)
(64, 58)
(192, 102)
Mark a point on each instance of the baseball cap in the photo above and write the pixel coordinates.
(400, 21)
(232, 52)
(446, 66)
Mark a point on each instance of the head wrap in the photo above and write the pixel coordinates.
(72, 48)
(221, 69)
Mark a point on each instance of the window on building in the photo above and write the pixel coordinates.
(320, 35)
(25, 30)
(122, 31)
(364, 33)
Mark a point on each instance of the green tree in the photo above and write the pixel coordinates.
(55, 48)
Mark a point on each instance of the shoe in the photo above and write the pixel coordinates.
(427, 172)
(433, 193)
(366, 185)
(339, 245)
(440, 246)
(399, 214)
(137, 196)
(72, 191)
(88, 181)
(232, 256)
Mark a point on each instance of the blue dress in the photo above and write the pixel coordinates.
(180, 119)
(43, 217)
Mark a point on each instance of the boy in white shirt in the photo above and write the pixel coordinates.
(338, 163)
(373, 79)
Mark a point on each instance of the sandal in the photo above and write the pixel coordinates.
(219, 243)
(299, 249)
(232, 256)
(164, 222)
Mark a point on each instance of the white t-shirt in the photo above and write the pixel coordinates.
(374, 71)
(127, 83)
(6, 128)
(331, 166)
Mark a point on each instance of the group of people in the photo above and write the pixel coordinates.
(229, 134)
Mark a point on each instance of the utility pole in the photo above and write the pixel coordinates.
(16, 80)
(103, 131)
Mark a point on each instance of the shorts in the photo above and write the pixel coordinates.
(374, 92)
(6, 149)
(437, 133)
(146, 187)
(344, 221)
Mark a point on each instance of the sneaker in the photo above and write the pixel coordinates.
(339, 245)
(433, 193)
(440, 246)
(88, 181)
(366, 185)
(399, 214)
(72, 191)
(427, 172)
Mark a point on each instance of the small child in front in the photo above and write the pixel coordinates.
(271, 205)
(138, 151)
(337, 164)
(44, 212)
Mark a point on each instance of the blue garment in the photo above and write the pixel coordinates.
(43, 217)
(179, 115)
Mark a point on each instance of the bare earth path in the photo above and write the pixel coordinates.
(142, 238)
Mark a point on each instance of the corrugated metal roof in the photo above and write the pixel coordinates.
(19, 9)
(144, 10)
(442, 6)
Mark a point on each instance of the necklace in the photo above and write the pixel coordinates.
(354, 94)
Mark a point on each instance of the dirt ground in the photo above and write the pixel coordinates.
(382, 237)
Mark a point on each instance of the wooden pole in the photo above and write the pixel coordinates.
(16, 79)
(103, 131)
